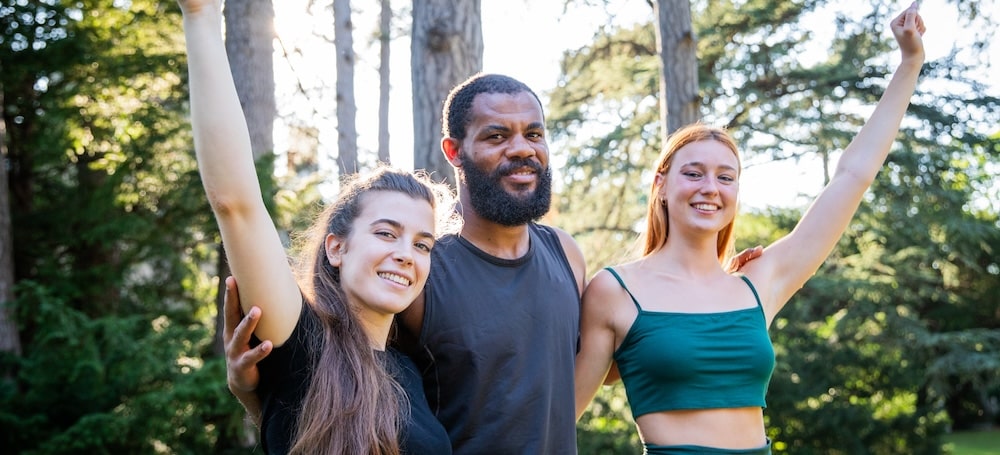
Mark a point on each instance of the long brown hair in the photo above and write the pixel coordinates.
(657, 224)
(353, 405)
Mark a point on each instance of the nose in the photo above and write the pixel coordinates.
(403, 255)
(521, 147)
(710, 186)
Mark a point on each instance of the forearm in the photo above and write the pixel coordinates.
(864, 156)
(251, 403)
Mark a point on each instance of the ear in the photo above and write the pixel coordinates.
(451, 148)
(659, 181)
(334, 250)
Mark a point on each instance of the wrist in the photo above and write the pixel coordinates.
(912, 61)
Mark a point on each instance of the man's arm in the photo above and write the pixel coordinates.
(242, 374)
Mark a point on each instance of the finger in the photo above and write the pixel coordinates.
(257, 354)
(241, 334)
(232, 313)
(911, 17)
(247, 362)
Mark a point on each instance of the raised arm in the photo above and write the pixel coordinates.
(225, 161)
(788, 263)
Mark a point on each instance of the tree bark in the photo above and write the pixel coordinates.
(385, 35)
(10, 340)
(347, 109)
(446, 48)
(679, 100)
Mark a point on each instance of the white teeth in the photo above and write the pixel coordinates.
(705, 207)
(394, 278)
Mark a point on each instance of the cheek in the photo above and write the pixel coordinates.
(423, 265)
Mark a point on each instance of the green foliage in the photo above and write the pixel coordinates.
(607, 426)
(972, 443)
(116, 384)
(113, 237)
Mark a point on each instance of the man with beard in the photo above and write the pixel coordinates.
(495, 331)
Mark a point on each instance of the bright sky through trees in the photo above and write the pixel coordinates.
(524, 39)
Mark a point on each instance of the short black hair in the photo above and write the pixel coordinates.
(457, 107)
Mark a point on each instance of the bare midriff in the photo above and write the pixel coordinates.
(729, 428)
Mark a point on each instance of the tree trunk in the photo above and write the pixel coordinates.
(446, 48)
(347, 109)
(250, 47)
(675, 38)
(385, 34)
(10, 340)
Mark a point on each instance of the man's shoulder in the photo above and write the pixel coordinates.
(565, 239)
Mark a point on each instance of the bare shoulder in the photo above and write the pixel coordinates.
(604, 289)
(606, 303)
(568, 242)
(574, 255)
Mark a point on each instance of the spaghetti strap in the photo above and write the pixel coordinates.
(622, 283)
(752, 289)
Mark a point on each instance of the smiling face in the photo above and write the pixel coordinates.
(503, 160)
(385, 259)
(700, 187)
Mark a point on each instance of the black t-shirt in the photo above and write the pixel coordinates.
(285, 376)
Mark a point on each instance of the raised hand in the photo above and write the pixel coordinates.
(908, 29)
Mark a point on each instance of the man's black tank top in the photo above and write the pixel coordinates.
(498, 344)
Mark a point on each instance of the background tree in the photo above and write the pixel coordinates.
(446, 47)
(9, 339)
(677, 43)
(347, 109)
(384, 37)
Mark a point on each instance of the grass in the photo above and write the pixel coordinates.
(973, 443)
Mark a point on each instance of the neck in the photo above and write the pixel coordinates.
(689, 258)
(505, 242)
(377, 327)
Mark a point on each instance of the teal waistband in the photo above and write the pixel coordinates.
(654, 449)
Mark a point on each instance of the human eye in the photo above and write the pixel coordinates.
(691, 174)
(424, 246)
(727, 178)
(385, 233)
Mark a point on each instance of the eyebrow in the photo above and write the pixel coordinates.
(502, 128)
(702, 165)
(398, 225)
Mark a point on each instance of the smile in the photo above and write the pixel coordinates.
(394, 278)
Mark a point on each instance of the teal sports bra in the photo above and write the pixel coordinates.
(672, 361)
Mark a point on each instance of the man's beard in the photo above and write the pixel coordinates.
(493, 203)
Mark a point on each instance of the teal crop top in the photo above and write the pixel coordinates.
(671, 361)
